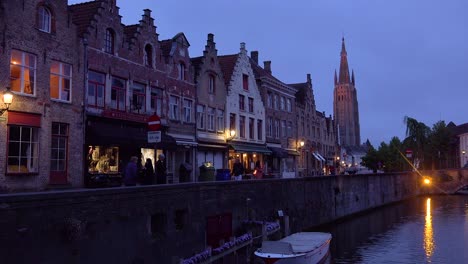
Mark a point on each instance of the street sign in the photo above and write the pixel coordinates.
(409, 153)
(154, 136)
(154, 123)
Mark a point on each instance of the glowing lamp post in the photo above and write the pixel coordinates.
(7, 99)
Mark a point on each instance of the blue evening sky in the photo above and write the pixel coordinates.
(409, 57)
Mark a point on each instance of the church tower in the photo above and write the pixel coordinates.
(345, 104)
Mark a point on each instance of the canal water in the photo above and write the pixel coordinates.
(430, 229)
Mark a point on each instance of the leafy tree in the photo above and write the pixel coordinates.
(439, 139)
(417, 136)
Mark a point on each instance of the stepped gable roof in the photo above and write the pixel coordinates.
(227, 63)
(83, 14)
(301, 91)
(130, 31)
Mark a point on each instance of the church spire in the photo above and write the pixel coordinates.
(336, 78)
(344, 70)
(352, 77)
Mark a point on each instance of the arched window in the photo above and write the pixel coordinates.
(148, 56)
(44, 18)
(109, 41)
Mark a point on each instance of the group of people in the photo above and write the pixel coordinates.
(135, 172)
(238, 170)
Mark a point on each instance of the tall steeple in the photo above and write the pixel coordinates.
(344, 70)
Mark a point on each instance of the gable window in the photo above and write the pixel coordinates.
(211, 85)
(242, 126)
(181, 71)
(156, 100)
(23, 149)
(44, 19)
(241, 102)
(220, 120)
(23, 72)
(245, 82)
(251, 128)
(118, 94)
(148, 56)
(60, 81)
(201, 117)
(96, 84)
(59, 146)
(251, 105)
(174, 107)
(259, 129)
(188, 110)
(109, 41)
(138, 97)
(211, 119)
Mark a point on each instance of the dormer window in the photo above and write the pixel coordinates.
(181, 71)
(148, 56)
(109, 41)
(44, 18)
(211, 85)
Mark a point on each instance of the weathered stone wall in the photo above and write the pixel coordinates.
(122, 225)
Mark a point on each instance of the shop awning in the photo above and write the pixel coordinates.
(167, 142)
(250, 148)
(211, 146)
(316, 157)
(320, 156)
(278, 152)
(293, 152)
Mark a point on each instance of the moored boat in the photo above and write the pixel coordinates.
(298, 248)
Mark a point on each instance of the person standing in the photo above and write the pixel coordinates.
(130, 177)
(237, 170)
(161, 169)
(148, 178)
(258, 172)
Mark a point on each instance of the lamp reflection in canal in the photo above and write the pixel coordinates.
(429, 244)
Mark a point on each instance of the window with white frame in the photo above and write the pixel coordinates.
(220, 120)
(282, 105)
(259, 129)
(188, 105)
(288, 105)
(251, 104)
(200, 116)
(60, 81)
(269, 100)
(241, 102)
(23, 149)
(242, 126)
(118, 94)
(96, 84)
(44, 19)
(275, 102)
(211, 119)
(232, 121)
(23, 72)
(211, 84)
(109, 39)
(270, 127)
(59, 146)
(174, 107)
(251, 128)
(156, 100)
(138, 102)
(290, 132)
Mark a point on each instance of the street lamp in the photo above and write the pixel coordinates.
(7, 99)
(231, 135)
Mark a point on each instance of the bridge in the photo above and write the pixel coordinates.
(445, 181)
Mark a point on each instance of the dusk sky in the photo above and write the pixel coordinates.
(409, 57)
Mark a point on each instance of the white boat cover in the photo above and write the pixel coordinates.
(306, 241)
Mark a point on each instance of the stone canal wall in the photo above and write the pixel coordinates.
(161, 224)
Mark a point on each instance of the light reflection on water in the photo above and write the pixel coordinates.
(422, 230)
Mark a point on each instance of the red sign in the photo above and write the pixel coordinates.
(154, 123)
(409, 153)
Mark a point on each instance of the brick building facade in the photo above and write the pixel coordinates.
(41, 136)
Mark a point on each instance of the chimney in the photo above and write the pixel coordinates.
(254, 56)
(309, 80)
(242, 46)
(210, 37)
(267, 66)
(147, 12)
